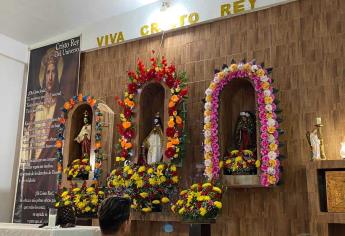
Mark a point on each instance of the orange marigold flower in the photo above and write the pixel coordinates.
(175, 141)
(62, 120)
(271, 129)
(67, 105)
(58, 144)
(126, 124)
(129, 102)
(92, 102)
(171, 123)
(178, 120)
(170, 144)
(98, 144)
(80, 97)
(175, 98)
(171, 104)
(128, 145)
(265, 85)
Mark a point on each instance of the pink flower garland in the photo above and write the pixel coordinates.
(266, 112)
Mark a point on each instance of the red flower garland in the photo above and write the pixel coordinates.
(161, 72)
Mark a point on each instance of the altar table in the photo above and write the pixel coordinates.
(8, 229)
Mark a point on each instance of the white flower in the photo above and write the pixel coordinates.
(216, 80)
(226, 70)
(208, 148)
(207, 119)
(264, 78)
(208, 163)
(268, 107)
(271, 171)
(208, 91)
(207, 133)
(272, 155)
(254, 68)
(271, 138)
(240, 66)
(267, 93)
(271, 122)
(208, 106)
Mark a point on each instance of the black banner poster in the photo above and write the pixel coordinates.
(52, 80)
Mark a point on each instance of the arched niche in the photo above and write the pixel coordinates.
(74, 123)
(237, 96)
(153, 98)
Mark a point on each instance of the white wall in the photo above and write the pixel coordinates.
(13, 57)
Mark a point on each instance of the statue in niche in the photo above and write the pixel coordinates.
(154, 142)
(241, 159)
(245, 132)
(84, 137)
(315, 144)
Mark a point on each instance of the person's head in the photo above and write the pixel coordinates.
(51, 75)
(113, 215)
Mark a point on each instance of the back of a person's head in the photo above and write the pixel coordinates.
(112, 214)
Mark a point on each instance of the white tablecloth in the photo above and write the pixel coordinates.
(7, 229)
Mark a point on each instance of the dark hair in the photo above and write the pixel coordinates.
(113, 212)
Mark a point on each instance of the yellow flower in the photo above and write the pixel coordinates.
(173, 168)
(182, 210)
(273, 146)
(200, 198)
(202, 211)
(268, 100)
(228, 161)
(57, 204)
(156, 202)
(248, 152)
(216, 189)
(144, 194)
(194, 186)
(67, 203)
(247, 67)
(205, 185)
(126, 168)
(175, 179)
(152, 181)
(126, 196)
(90, 189)
(165, 200)
(76, 190)
(150, 171)
(100, 192)
(271, 129)
(218, 204)
(183, 192)
(141, 169)
(88, 168)
(221, 163)
(64, 194)
(233, 67)
(94, 201)
(87, 209)
(160, 167)
(133, 206)
(257, 163)
(238, 159)
(173, 207)
(234, 152)
(146, 209)
(260, 72)
(81, 205)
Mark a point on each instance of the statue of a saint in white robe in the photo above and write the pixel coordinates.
(84, 137)
(314, 142)
(154, 142)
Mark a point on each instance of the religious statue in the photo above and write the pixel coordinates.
(314, 143)
(84, 137)
(245, 132)
(241, 159)
(154, 141)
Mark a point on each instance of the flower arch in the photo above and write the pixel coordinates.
(68, 106)
(159, 71)
(266, 110)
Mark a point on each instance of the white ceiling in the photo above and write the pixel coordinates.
(33, 21)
